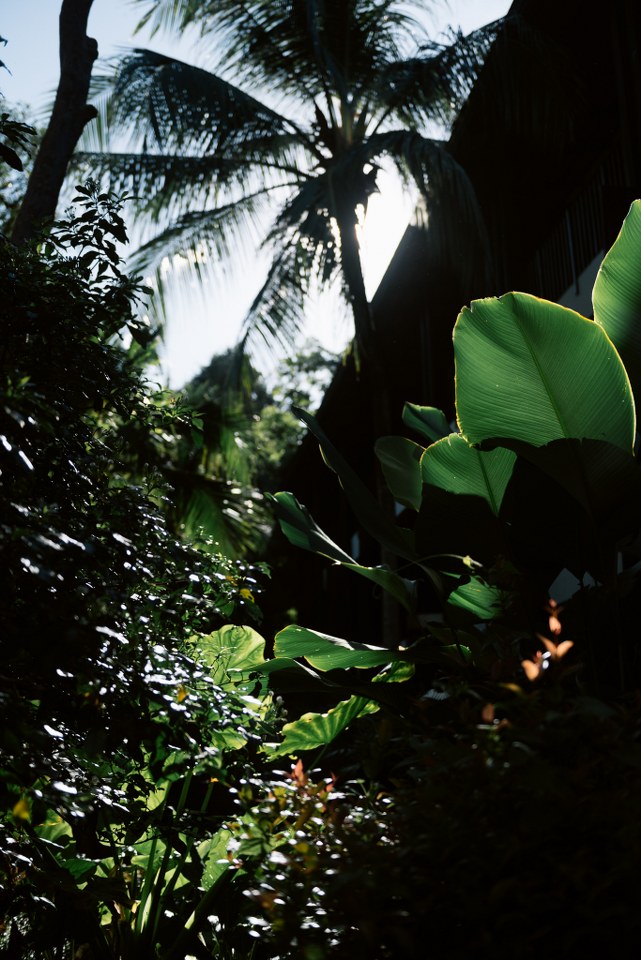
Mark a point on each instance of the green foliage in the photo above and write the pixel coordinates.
(617, 294)
(541, 483)
(229, 439)
(123, 727)
(249, 430)
(15, 135)
(487, 826)
(535, 371)
(492, 804)
(17, 148)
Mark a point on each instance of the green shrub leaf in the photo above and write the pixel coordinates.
(314, 730)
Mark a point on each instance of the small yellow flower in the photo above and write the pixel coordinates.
(22, 810)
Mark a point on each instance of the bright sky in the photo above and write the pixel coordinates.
(210, 319)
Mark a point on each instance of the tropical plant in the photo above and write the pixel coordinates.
(230, 443)
(537, 495)
(473, 801)
(14, 128)
(487, 823)
(345, 87)
(126, 720)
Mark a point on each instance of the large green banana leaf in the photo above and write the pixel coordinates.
(330, 653)
(463, 490)
(616, 297)
(534, 371)
(453, 465)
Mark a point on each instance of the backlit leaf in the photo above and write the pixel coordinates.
(616, 297)
(531, 370)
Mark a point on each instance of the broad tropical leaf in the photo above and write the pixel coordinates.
(533, 371)
(330, 653)
(314, 730)
(231, 652)
(362, 501)
(478, 598)
(213, 854)
(462, 496)
(302, 531)
(453, 465)
(616, 297)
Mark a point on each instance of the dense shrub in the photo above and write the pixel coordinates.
(103, 703)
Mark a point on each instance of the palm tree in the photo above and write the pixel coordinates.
(323, 92)
(343, 84)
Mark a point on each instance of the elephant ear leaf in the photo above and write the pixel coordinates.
(616, 297)
(533, 371)
(314, 730)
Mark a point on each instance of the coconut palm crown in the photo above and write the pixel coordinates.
(308, 97)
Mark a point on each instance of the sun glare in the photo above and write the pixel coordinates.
(214, 313)
(388, 213)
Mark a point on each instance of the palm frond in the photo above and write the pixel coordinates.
(167, 185)
(277, 314)
(218, 232)
(192, 249)
(171, 15)
(212, 155)
(233, 516)
(316, 232)
(171, 105)
(432, 85)
(153, 181)
(308, 45)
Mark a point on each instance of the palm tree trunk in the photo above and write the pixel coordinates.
(68, 119)
(371, 368)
